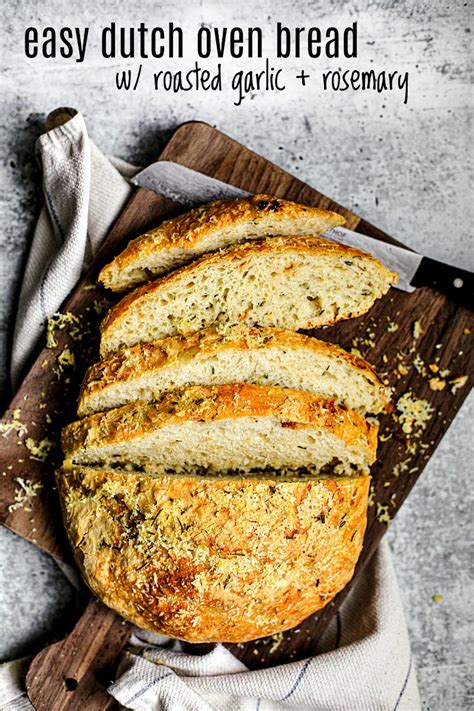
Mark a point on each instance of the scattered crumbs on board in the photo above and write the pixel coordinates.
(66, 357)
(420, 366)
(39, 450)
(401, 467)
(417, 330)
(413, 414)
(456, 383)
(383, 515)
(58, 322)
(14, 425)
(437, 383)
(277, 640)
(25, 490)
(371, 499)
(64, 360)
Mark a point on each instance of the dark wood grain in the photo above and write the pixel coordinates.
(74, 673)
(446, 342)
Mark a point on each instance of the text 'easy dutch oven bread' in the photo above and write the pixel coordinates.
(223, 428)
(287, 282)
(234, 354)
(213, 560)
(208, 228)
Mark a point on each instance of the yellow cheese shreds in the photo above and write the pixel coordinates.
(417, 330)
(413, 413)
(419, 365)
(56, 323)
(15, 425)
(456, 383)
(66, 357)
(277, 640)
(39, 450)
(401, 467)
(437, 383)
(24, 492)
(382, 514)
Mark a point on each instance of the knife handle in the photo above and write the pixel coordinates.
(455, 282)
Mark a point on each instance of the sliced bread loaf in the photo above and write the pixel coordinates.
(266, 356)
(213, 560)
(224, 428)
(207, 228)
(288, 282)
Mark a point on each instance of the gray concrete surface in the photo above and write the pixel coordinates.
(407, 168)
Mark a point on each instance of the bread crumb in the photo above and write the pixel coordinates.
(278, 639)
(419, 365)
(66, 357)
(26, 490)
(58, 322)
(392, 327)
(417, 330)
(40, 450)
(413, 413)
(437, 383)
(456, 383)
(382, 514)
(15, 425)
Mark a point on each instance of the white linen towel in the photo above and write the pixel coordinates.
(365, 661)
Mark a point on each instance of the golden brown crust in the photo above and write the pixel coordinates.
(129, 364)
(235, 253)
(220, 402)
(211, 560)
(185, 232)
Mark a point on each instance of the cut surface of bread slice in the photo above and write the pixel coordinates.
(208, 228)
(213, 560)
(266, 356)
(224, 428)
(288, 282)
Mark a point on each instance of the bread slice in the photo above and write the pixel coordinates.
(224, 428)
(227, 559)
(288, 282)
(266, 356)
(208, 228)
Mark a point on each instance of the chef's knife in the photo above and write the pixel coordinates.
(189, 187)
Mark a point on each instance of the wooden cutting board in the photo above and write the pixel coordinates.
(413, 338)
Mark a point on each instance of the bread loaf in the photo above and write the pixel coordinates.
(208, 228)
(288, 282)
(235, 354)
(224, 428)
(213, 560)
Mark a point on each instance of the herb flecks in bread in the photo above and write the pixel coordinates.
(209, 560)
(237, 427)
(208, 228)
(265, 356)
(287, 282)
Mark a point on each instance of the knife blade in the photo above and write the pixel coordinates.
(184, 185)
(189, 187)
